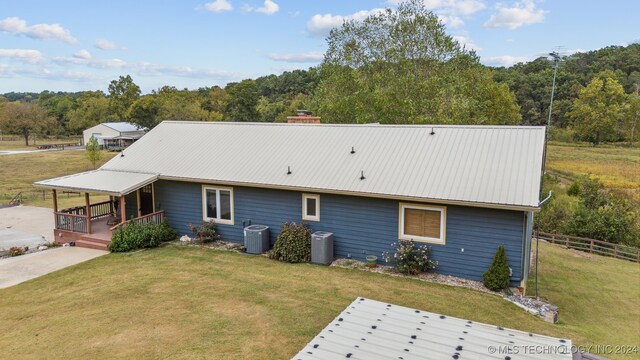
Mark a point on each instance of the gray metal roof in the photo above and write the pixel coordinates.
(123, 126)
(111, 182)
(493, 166)
(369, 329)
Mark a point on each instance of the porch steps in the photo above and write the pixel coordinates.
(92, 243)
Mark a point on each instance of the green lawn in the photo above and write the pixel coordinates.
(189, 302)
(599, 297)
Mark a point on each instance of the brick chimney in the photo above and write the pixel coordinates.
(303, 117)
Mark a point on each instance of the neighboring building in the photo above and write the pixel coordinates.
(114, 135)
(464, 190)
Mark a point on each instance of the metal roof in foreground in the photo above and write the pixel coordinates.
(488, 166)
(369, 329)
(111, 182)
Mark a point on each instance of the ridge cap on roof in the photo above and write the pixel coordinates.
(368, 125)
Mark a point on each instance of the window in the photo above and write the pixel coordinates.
(310, 207)
(422, 223)
(217, 204)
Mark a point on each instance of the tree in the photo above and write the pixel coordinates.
(497, 277)
(25, 119)
(92, 108)
(399, 66)
(631, 119)
(144, 111)
(122, 94)
(598, 109)
(93, 151)
(243, 101)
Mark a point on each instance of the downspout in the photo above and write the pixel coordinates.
(538, 242)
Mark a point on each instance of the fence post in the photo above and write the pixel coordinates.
(591, 246)
(615, 254)
(566, 241)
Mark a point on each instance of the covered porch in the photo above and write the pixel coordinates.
(131, 199)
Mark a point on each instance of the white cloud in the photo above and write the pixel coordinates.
(451, 21)
(18, 26)
(461, 7)
(269, 7)
(94, 63)
(22, 55)
(104, 44)
(522, 13)
(219, 6)
(82, 54)
(311, 56)
(151, 69)
(450, 11)
(504, 60)
(466, 41)
(320, 25)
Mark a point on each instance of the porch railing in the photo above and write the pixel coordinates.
(101, 209)
(155, 218)
(71, 222)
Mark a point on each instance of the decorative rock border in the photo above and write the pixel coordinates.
(533, 306)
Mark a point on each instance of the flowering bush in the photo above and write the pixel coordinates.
(206, 232)
(410, 259)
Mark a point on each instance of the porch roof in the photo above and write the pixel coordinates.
(110, 182)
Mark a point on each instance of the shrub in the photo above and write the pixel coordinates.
(134, 236)
(293, 245)
(206, 232)
(497, 277)
(16, 251)
(410, 259)
(574, 189)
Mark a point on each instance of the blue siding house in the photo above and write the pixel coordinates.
(463, 190)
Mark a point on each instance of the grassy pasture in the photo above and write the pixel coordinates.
(18, 172)
(616, 167)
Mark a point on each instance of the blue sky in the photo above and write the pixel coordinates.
(82, 45)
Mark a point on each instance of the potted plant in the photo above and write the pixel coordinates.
(372, 261)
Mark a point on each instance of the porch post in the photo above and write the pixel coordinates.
(55, 200)
(123, 210)
(88, 212)
(54, 195)
(111, 210)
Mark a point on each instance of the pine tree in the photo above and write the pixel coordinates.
(497, 277)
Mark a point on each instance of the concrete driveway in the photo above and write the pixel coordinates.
(25, 226)
(18, 269)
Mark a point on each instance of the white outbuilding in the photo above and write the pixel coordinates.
(114, 135)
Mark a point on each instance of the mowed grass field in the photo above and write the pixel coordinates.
(19, 171)
(617, 167)
(193, 303)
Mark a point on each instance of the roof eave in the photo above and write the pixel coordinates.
(355, 193)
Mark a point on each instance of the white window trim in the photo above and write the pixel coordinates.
(204, 204)
(443, 223)
(304, 207)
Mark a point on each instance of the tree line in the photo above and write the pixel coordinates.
(397, 66)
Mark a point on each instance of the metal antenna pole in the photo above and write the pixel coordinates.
(556, 59)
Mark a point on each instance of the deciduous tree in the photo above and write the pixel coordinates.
(243, 101)
(122, 93)
(92, 109)
(25, 119)
(400, 66)
(598, 109)
(93, 151)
